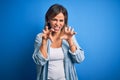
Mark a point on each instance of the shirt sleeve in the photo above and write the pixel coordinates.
(37, 56)
(78, 55)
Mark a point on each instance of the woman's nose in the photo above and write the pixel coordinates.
(57, 23)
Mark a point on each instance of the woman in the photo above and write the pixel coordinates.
(56, 49)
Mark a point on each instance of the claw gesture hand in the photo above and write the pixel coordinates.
(68, 33)
(47, 33)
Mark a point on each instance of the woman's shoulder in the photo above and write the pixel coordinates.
(39, 36)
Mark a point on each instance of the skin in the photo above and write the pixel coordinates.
(55, 35)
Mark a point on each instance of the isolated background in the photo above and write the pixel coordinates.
(97, 23)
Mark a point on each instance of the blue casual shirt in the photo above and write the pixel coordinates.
(69, 59)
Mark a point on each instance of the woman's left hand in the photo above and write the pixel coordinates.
(68, 33)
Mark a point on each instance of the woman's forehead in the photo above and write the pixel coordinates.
(60, 15)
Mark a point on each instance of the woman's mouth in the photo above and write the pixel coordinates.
(56, 28)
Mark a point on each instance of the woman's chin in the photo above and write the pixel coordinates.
(56, 31)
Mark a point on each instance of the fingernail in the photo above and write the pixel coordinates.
(52, 29)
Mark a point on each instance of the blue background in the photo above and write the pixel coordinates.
(97, 23)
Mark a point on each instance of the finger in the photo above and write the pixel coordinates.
(44, 31)
(72, 30)
(51, 29)
(49, 32)
(65, 29)
(50, 35)
(69, 28)
(46, 28)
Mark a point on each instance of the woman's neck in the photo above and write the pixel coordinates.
(56, 41)
(55, 34)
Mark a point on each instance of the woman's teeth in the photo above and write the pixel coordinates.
(56, 28)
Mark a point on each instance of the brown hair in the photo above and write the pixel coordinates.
(53, 11)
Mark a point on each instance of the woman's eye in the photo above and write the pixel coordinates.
(53, 19)
(61, 20)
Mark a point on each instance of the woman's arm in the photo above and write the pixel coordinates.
(39, 56)
(43, 48)
(77, 54)
(72, 46)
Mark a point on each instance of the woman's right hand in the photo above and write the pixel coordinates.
(46, 33)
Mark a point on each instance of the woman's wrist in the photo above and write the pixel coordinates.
(44, 41)
(70, 42)
(71, 45)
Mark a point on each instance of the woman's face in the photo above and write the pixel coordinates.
(57, 22)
